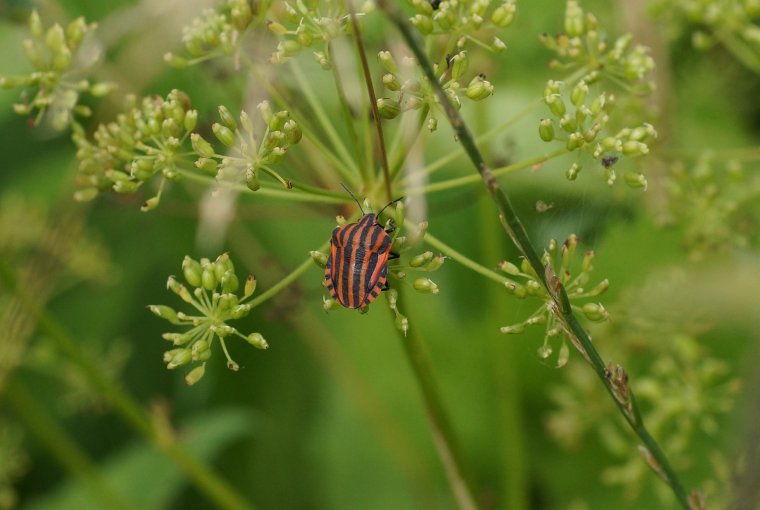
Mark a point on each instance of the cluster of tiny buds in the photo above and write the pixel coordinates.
(302, 25)
(582, 43)
(217, 32)
(52, 53)
(213, 293)
(435, 17)
(143, 141)
(414, 93)
(246, 154)
(575, 286)
(581, 129)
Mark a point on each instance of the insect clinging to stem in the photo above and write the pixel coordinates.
(357, 267)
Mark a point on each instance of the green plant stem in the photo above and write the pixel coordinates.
(440, 425)
(498, 172)
(561, 304)
(290, 278)
(372, 100)
(61, 446)
(216, 489)
(322, 117)
(309, 194)
(450, 252)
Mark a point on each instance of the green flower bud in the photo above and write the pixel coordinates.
(588, 259)
(633, 148)
(568, 124)
(251, 180)
(512, 330)
(546, 130)
(102, 88)
(85, 194)
(387, 61)
(423, 23)
(227, 118)
(230, 282)
(175, 61)
(446, 18)
(391, 82)
(436, 263)
(432, 124)
(277, 28)
(319, 258)
(304, 38)
(195, 375)
(233, 366)
(600, 288)
(150, 204)
(208, 278)
(423, 6)
(198, 347)
(555, 104)
(191, 269)
(503, 15)
(164, 312)
(240, 311)
(55, 38)
(402, 323)
(497, 45)
(125, 187)
(518, 290)
(257, 340)
(421, 259)
(190, 120)
(201, 146)
(328, 304)
(573, 19)
(479, 88)
(388, 108)
(265, 109)
(595, 312)
(250, 286)
(35, 24)
(209, 165)
(425, 285)
(179, 357)
(61, 59)
(579, 93)
(223, 134)
(458, 64)
(509, 268)
(635, 180)
(292, 131)
(575, 141)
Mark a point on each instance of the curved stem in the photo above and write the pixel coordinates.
(440, 425)
(613, 377)
(214, 488)
(372, 100)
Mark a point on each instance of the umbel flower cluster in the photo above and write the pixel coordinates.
(213, 295)
(531, 286)
(52, 90)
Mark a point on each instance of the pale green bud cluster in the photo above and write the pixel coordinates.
(301, 25)
(735, 24)
(246, 155)
(583, 43)
(715, 201)
(51, 92)
(580, 119)
(415, 92)
(477, 18)
(217, 32)
(214, 291)
(145, 140)
(574, 276)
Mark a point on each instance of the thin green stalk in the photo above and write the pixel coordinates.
(347, 115)
(61, 446)
(450, 252)
(293, 276)
(372, 100)
(498, 172)
(440, 425)
(403, 143)
(216, 489)
(617, 388)
(322, 117)
(309, 195)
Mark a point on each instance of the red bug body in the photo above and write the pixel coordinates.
(357, 267)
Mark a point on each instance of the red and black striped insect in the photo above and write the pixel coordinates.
(357, 267)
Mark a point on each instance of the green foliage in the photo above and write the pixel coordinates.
(300, 106)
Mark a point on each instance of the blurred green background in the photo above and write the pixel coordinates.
(330, 416)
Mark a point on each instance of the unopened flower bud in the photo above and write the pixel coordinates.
(425, 285)
(579, 93)
(179, 357)
(150, 203)
(595, 312)
(479, 88)
(635, 180)
(257, 340)
(319, 258)
(208, 278)
(436, 263)
(423, 23)
(509, 268)
(387, 61)
(503, 15)
(229, 282)
(458, 64)
(164, 312)
(421, 259)
(512, 330)
(634, 148)
(546, 130)
(195, 375)
(250, 286)
(573, 19)
(223, 134)
(388, 108)
(391, 82)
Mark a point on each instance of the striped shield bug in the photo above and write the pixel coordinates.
(357, 267)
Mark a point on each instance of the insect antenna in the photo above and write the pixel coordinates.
(354, 197)
(389, 204)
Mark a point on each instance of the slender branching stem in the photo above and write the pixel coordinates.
(372, 100)
(216, 489)
(561, 303)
